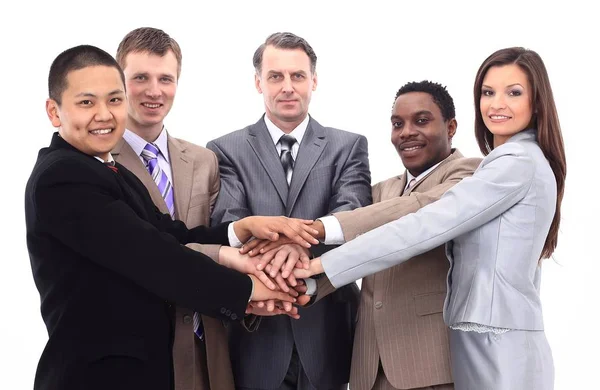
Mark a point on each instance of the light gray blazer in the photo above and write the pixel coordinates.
(495, 223)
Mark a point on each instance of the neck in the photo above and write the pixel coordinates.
(148, 133)
(285, 126)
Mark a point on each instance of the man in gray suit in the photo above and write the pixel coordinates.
(288, 164)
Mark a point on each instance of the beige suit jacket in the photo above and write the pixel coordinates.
(400, 313)
(196, 184)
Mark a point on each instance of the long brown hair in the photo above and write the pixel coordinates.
(545, 120)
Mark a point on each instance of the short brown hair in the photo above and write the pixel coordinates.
(148, 39)
(545, 121)
(284, 40)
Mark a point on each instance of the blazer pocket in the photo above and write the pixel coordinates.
(430, 303)
(132, 348)
(199, 200)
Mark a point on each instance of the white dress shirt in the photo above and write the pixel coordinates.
(138, 144)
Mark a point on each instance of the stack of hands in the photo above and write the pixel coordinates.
(276, 256)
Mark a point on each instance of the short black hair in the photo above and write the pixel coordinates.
(284, 40)
(438, 92)
(76, 58)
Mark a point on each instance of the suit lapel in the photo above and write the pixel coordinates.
(453, 156)
(311, 148)
(182, 169)
(124, 155)
(262, 144)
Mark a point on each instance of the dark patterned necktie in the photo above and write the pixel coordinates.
(287, 161)
(111, 165)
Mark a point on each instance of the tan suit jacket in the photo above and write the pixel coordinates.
(400, 314)
(198, 365)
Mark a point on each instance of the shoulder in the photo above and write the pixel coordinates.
(344, 136)
(234, 138)
(196, 152)
(392, 181)
(462, 163)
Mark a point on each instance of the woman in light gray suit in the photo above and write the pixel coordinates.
(498, 225)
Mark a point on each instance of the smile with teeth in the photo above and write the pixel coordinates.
(412, 148)
(101, 131)
(499, 117)
(150, 105)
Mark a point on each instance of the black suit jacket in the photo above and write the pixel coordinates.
(110, 268)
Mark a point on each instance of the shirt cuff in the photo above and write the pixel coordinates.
(333, 231)
(233, 239)
(311, 286)
(251, 291)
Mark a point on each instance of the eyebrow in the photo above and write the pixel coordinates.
(508, 86)
(89, 94)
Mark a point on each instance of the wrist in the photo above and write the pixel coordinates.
(318, 225)
(241, 229)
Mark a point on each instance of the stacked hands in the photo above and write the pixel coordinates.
(276, 256)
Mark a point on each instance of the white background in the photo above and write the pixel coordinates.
(365, 54)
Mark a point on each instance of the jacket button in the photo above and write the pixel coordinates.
(187, 319)
(228, 313)
(234, 316)
(378, 305)
(223, 310)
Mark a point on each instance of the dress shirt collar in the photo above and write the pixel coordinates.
(297, 133)
(138, 144)
(109, 160)
(409, 177)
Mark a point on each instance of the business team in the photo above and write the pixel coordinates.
(135, 289)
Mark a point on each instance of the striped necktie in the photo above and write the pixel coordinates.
(150, 155)
(287, 161)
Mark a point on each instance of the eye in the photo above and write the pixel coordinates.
(116, 100)
(397, 124)
(515, 92)
(85, 102)
(274, 77)
(166, 80)
(487, 92)
(422, 121)
(140, 77)
(298, 76)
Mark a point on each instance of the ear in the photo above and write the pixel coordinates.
(452, 125)
(53, 112)
(257, 82)
(314, 77)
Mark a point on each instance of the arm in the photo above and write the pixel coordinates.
(231, 203)
(503, 179)
(353, 188)
(362, 220)
(85, 212)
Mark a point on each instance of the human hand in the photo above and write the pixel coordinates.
(272, 228)
(263, 293)
(272, 308)
(284, 259)
(231, 258)
(257, 247)
(315, 267)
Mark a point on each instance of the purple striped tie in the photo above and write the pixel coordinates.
(150, 155)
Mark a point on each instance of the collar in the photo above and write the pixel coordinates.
(138, 144)
(409, 176)
(524, 135)
(276, 133)
(109, 160)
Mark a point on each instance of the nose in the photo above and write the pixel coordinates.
(498, 101)
(407, 131)
(103, 114)
(287, 85)
(152, 90)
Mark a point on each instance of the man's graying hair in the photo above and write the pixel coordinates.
(284, 40)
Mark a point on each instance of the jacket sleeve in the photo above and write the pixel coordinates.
(503, 179)
(85, 211)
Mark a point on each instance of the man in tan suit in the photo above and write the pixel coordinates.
(401, 341)
(183, 179)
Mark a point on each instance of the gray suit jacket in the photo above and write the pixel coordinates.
(496, 221)
(196, 184)
(331, 174)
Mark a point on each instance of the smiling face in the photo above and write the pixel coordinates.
(505, 102)
(151, 85)
(286, 83)
(419, 132)
(93, 112)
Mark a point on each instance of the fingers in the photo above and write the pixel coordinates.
(292, 258)
(302, 300)
(265, 279)
(302, 273)
(247, 247)
(280, 257)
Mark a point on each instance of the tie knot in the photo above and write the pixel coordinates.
(150, 151)
(287, 141)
